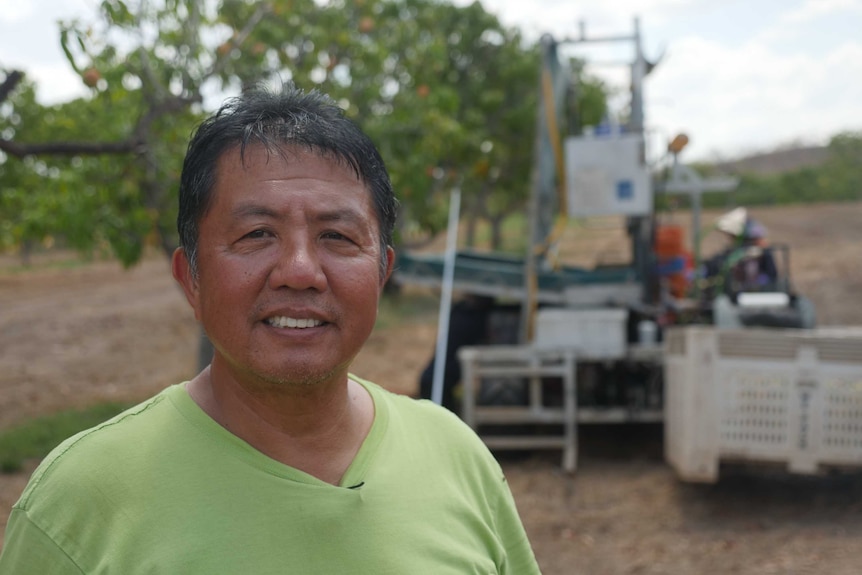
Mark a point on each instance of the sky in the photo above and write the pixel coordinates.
(736, 76)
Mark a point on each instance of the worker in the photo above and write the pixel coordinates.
(747, 263)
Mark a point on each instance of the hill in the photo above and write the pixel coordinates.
(775, 162)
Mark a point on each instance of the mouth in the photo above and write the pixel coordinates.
(281, 321)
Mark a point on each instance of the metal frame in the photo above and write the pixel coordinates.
(538, 365)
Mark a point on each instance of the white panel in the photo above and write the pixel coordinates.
(594, 333)
(606, 176)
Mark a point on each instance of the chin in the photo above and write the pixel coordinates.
(304, 377)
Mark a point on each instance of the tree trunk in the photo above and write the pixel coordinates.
(26, 252)
(496, 233)
(470, 232)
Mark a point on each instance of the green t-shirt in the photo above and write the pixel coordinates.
(162, 488)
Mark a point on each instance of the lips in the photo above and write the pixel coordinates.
(293, 323)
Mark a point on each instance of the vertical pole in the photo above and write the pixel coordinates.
(640, 227)
(525, 334)
(542, 189)
(470, 379)
(695, 188)
(695, 224)
(636, 123)
(446, 296)
(570, 409)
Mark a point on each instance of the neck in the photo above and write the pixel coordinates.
(317, 429)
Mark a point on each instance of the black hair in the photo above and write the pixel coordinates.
(289, 118)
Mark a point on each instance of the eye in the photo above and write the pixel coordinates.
(257, 234)
(332, 235)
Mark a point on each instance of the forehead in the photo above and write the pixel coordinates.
(258, 168)
(257, 158)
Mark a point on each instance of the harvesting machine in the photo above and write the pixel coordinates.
(535, 347)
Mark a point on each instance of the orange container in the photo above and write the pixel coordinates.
(669, 241)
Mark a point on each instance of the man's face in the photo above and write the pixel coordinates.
(288, 267)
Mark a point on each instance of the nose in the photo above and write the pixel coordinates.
(298, 267)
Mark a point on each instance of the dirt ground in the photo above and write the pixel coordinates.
(75, 335)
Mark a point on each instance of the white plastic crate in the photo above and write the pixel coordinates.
(787, 396)
(592, 333)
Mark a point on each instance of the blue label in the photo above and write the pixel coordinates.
(625, 190)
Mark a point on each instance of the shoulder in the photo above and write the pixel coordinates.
(421, 423)
(418, 412)
(100, 452)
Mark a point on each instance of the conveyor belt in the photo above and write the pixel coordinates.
(503, 276)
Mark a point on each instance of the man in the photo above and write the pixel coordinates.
(274, 459)
(746, 263)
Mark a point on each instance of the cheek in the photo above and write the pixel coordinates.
(228, 286)
(358, 280)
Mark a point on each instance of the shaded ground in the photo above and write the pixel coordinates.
(76, 335)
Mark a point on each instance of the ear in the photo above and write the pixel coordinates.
(390, 265)
(182, 272)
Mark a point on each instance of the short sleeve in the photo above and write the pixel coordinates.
(27, 550)
(520, 559)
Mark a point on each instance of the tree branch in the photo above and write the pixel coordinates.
(19, 150)
(133, 144)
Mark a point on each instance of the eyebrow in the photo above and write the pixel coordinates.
(349, 216)
(253, 210)
(256, 210)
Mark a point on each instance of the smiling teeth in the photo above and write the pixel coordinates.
(281, 321)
